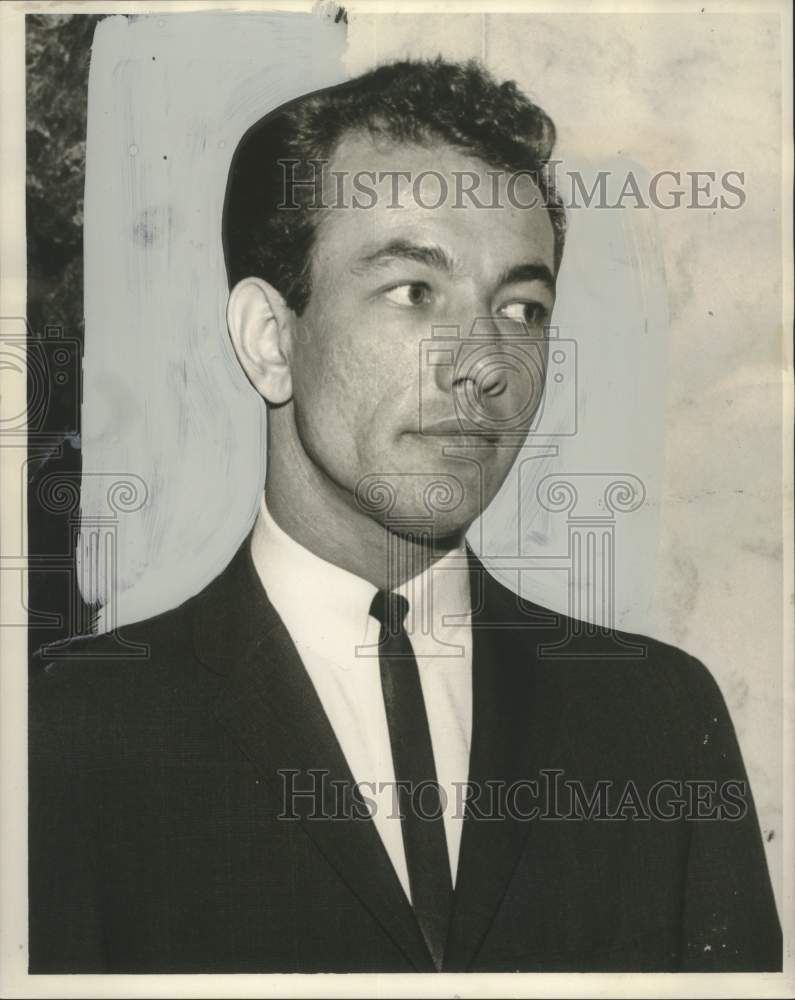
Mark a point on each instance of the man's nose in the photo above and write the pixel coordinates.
(467, 361)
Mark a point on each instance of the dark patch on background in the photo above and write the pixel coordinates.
(58, 50)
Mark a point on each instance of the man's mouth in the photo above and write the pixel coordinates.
(465, 431)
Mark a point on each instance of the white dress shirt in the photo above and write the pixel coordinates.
(326, 611)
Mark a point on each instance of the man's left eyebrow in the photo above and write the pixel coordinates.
(527, 272)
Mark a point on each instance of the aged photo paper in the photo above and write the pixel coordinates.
(396, 590)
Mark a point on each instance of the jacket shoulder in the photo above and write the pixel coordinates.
(597, 668)
(92, 687)
(161, 637)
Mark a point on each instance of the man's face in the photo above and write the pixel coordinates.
(383, 413)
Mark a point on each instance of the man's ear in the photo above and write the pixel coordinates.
(260, 325)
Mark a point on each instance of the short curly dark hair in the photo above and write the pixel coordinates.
(412, 101)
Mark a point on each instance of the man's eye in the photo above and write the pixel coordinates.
(414, 293)
(531, 313)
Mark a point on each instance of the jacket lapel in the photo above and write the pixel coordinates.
(503, 732)
(269, 704)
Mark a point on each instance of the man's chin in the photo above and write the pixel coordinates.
(438, 481)
(435, 505)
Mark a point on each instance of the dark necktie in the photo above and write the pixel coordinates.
(412, 755)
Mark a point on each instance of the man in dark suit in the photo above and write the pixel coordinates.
(355, 750)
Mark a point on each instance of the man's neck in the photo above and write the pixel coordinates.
(317, 514)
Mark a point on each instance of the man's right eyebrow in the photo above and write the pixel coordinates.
(431, 255)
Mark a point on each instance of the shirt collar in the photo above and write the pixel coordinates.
(327, 609)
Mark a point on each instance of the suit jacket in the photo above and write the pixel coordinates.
(159, 840)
